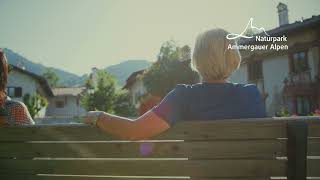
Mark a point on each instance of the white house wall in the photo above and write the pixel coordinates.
(28, 84)
(137, 90)
(70, 108)
(313, 60)
(275, 70)
(240, 75)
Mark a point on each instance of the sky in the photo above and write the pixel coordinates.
(76, 35)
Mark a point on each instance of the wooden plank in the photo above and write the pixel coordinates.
(75, 177)
(314, 147)
(195, 130)
(266, 149)
(314, 128)
(262, 149)
(182, 131)
(194, 168)
(297, 145)
(313, 167)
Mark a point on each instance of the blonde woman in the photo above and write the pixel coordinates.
(214, 98)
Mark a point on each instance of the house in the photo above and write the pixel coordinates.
(136, 88)
(22, 82)
(287, 78)
(140, 97)
(66, 102)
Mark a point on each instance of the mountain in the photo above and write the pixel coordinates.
(66, 78)
(120, 71)
(124, 69)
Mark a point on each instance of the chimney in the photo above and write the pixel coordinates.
(283, 14)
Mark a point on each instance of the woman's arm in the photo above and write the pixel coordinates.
(144, 127)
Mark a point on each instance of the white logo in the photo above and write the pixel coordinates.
(242, 34)
(267, 42)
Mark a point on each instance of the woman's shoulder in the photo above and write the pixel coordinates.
(248, 87)
(18, 113)
(14, 104)
(182, 89)
(189, 86)
(16, 108)
(210, 85)
(183, 86)
(189, 89)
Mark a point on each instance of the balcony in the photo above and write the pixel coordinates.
(300, 78)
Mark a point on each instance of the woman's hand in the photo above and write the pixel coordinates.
(92, 117)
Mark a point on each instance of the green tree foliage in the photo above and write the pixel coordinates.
(169, 51)
(105, 97)
(89, 83)
(51, 77)
(171, 68)
(35, 103)
(123, 106)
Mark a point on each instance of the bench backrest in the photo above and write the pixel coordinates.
(225, 149)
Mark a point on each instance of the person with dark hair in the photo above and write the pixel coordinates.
(11, 112)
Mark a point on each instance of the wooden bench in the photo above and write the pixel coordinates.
(212, 150)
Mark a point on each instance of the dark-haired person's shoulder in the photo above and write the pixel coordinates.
(14, 103)
(19, 112)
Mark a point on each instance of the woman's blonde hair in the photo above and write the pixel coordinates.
(212, 58)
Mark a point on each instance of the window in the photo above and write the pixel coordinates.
(299, 62)
(14, 92)
(255, 71)
(59, 104)
(303, 105)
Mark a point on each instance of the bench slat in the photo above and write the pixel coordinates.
(47, 177)
(203, 168)
(266, 149)
(313, 167)
(193, 150)
(314, 147)
(202, 130)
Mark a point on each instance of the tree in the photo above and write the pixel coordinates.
(35, 103)
(185, 53)
(123, 105)
(169, 70)
(89, 83)
(106, 98)
(103, 97)
(51, 77)
(169, 51)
